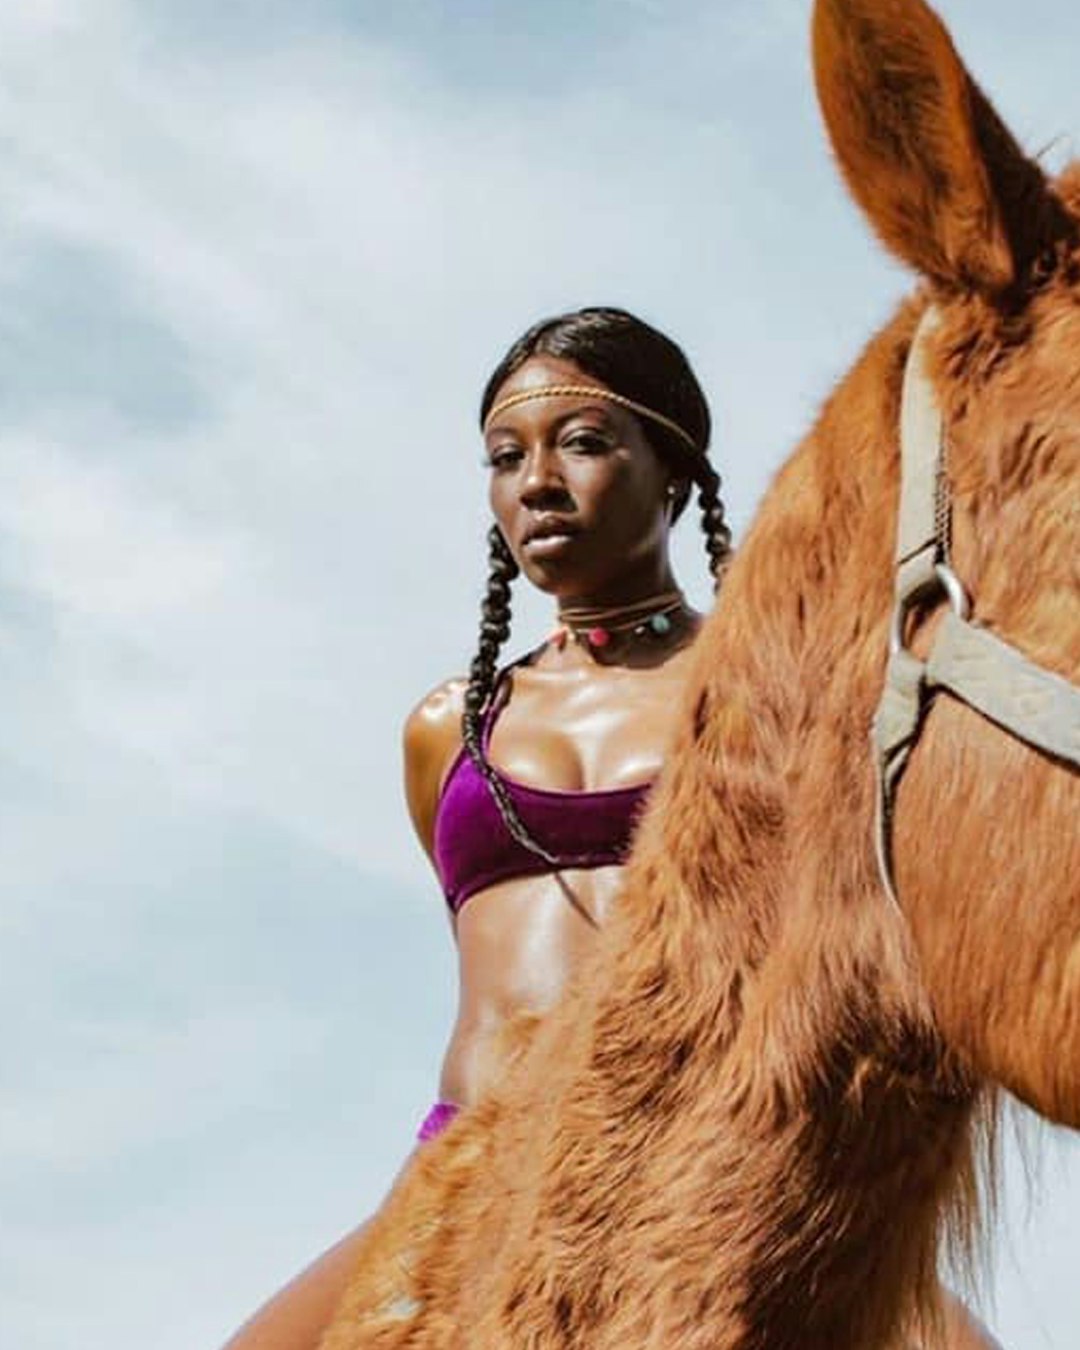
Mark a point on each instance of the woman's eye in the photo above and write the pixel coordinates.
(587, 443)
(505, 459)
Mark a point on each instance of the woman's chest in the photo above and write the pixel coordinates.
(608, 731)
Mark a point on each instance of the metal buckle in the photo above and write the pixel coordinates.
(942, 579)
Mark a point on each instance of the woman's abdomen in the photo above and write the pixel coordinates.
(518, 944)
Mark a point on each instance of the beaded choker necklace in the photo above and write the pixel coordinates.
(597, 628)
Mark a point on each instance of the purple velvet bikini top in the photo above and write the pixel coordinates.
(474, 849)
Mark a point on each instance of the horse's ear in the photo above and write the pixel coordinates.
(924, 154)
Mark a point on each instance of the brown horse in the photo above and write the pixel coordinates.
(750, 1124)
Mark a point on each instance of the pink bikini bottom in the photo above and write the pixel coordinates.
(436, 1120)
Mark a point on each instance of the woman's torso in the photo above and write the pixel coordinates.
(585, 729)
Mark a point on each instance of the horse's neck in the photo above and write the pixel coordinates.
(818, 1112)
(748, 1138)
(753, 1154)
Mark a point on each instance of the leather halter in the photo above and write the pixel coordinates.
(966, 660)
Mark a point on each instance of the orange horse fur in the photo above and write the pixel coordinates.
(749, 1125)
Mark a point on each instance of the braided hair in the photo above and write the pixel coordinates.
(633, 359)
(494, 630)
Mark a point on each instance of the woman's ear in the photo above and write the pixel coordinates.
(676, 495)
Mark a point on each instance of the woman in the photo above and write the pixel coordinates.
(524, 785)
(595, 430)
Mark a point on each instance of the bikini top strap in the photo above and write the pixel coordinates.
(500, 694)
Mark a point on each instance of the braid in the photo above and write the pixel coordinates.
(494, 630)
(713, 520)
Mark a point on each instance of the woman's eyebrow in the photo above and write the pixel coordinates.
(559, 422)
(602, 409)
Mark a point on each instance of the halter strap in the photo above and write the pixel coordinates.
(1035, 705)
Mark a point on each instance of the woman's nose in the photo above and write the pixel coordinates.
(542, 480)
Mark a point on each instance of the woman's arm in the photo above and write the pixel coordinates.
(431, 739)
(296, 1317)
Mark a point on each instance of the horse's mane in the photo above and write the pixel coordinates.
(688, 1058)
(750, 1124)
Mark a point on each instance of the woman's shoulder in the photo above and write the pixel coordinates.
(433, 727)
(432, 736)
(437, 717)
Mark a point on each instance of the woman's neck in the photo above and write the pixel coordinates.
(624, 590)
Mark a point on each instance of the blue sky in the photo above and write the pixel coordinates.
(255, 263)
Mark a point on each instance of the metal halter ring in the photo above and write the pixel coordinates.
(943, 579)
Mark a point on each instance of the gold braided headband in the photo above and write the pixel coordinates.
(592, 391)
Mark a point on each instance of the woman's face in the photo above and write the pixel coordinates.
(577, 491)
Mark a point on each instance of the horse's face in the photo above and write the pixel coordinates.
(1010, 390)
(986, 842)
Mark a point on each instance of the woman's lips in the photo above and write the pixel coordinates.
(548, 545)
(547, 538)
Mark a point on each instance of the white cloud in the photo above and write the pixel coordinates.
(113, 1088)
(323, 234)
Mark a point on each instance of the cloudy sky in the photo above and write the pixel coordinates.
(255, 262)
